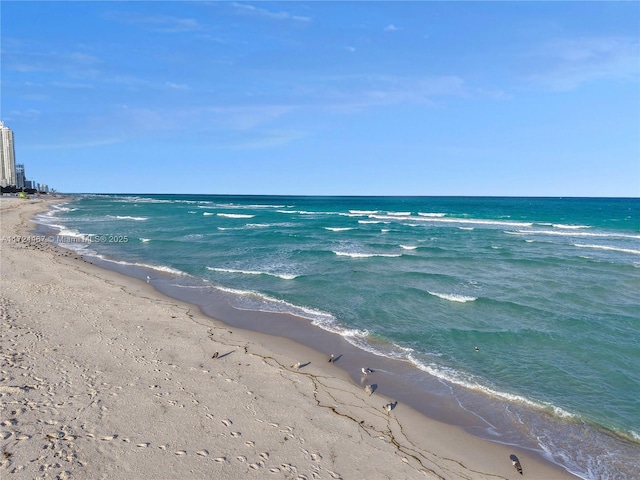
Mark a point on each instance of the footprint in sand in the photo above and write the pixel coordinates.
(220, 459)
(236, 434)
(227, 422)
(264, 455)
(203, 453)
(288, 467)
(241, 458)
(250, 443)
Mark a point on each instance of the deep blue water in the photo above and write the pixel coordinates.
(548, 289)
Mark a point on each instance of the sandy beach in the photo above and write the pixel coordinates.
(104, 377)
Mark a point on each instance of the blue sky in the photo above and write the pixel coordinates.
(325, 98)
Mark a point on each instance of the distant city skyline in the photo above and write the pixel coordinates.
(326, 98)
(13, 174)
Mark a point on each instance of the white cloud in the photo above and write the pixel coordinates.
(263, 12)
(567, 64)
(390, 28)
(177, 86)
(157, 23)
(357, 92)
(86, 144)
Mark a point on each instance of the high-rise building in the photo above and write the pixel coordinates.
(7, 157)
(20, 178)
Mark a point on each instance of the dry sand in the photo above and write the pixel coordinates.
(104, 377)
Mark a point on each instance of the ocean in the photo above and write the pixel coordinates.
(547, 289)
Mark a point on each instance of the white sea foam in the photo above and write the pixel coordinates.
(128, 217)
(573, 234)
(399, 214)
(208, 214)
(49, 219)
(338, 229)
(470, 221)
(235, 215)
(159, 268)
(192, 236)
(606, 247)
(466, 228)
(61, 208)
(284, 276)
(408, 247)
(258, 225)
(363, 212)
(472, 383)
(433, 215)
(306, 212)
(264, 303)
(135, 199)
(453, 297)
(263, 206)
(145, 240)
(366, 255)
(569, 227)
(237, 206)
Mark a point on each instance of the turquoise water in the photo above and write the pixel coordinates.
(548, 289)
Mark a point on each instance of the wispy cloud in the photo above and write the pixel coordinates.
(157, 23)
(33, 60)
(260, 140)
(176, 86)
(358, 92)
(30, 114)
(137, 119)
(264, 13)
(567, 64)
(390, 28)
(243, 117)
(64, 145)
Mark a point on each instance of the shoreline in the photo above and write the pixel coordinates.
(325, 402)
